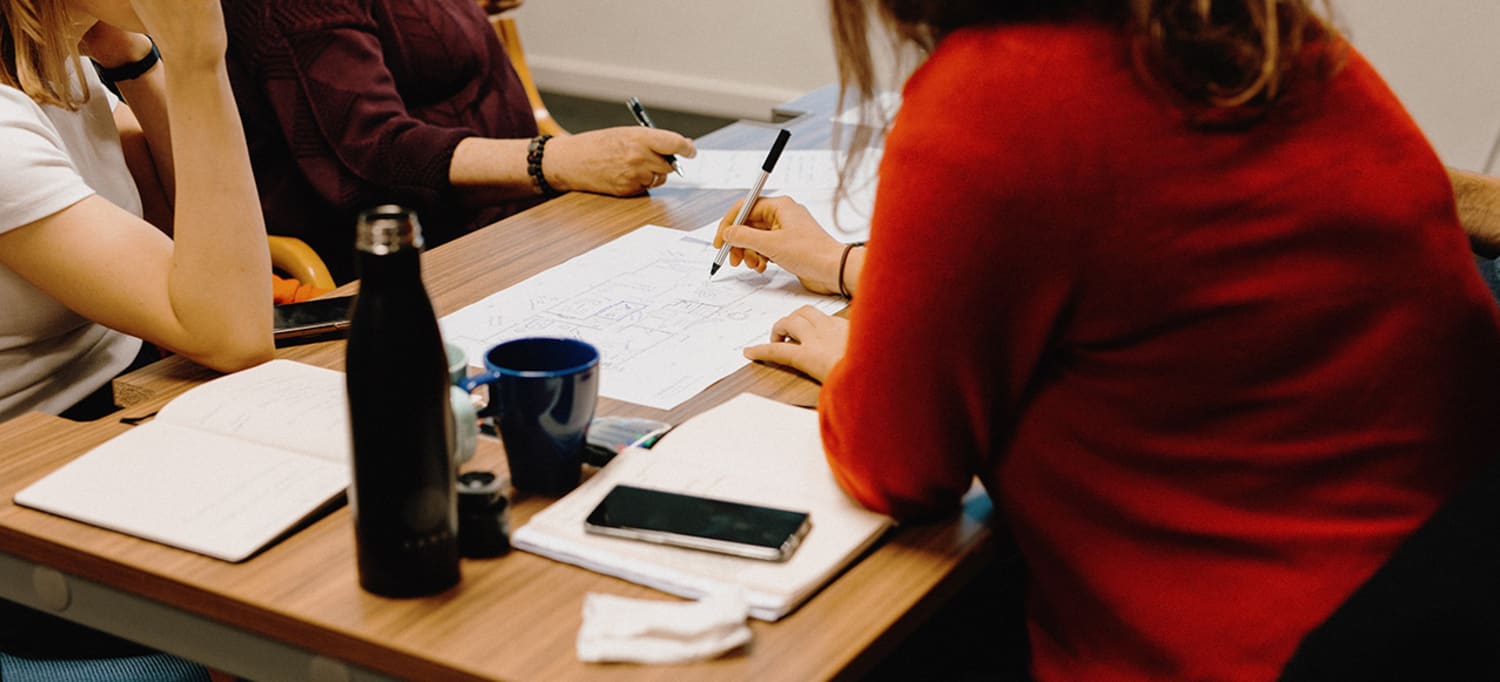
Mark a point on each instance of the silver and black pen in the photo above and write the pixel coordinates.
(641, 117)
(760, 183)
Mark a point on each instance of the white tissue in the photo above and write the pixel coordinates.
(617, 629)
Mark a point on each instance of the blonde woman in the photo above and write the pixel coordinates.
(82, 276)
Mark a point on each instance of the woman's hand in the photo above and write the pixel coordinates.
(807, 340)
(781, 231)
(623, 161)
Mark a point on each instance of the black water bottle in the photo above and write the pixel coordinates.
(402, 496)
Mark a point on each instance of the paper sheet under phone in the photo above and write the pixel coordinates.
(664, 330)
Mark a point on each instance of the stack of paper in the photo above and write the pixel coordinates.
(749, 449)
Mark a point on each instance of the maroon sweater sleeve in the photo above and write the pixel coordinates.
(337, 104)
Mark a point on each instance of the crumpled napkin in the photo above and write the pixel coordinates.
(619, 629)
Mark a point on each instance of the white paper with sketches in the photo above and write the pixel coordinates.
(797, 168)
(664, 330)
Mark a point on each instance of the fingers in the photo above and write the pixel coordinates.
(797, 326)
(653, 180)
(806, 340)
(770, 211)
(744, 237)
(787, 354)
(748, 245)
(663, 142)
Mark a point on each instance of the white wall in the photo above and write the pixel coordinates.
(738, 59)
(735, 59)
(1442, 57)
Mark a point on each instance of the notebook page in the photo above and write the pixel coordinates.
(287, 404)
(189, 488)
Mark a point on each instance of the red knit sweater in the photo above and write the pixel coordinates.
(1210, 378)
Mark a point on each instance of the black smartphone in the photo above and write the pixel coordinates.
(312, 318)
(704, 523)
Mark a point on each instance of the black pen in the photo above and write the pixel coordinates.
(760, 183)
(641, 117)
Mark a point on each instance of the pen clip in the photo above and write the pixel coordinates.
(639, 112)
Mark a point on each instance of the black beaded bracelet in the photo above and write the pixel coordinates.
(129, 71)
(843, 261)
(534, 166)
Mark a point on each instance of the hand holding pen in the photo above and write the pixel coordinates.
(782, 231)
(754, 194)
(641, 117)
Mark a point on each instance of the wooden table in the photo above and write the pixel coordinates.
(296, 611)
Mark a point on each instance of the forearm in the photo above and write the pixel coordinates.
(1478, 199)
(486, 170)
(139, 159)
(219, 280)
(146, 96)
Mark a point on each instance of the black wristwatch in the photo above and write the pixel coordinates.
(129, 71)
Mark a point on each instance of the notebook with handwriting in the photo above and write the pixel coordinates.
(750, 449)
(224, 469)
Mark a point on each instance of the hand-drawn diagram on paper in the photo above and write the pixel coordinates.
(663, 329)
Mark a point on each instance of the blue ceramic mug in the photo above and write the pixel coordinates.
(542, 396)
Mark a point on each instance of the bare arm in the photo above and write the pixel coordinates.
(143, 168)
(206, 293)
(622, 161)
(363, 121)
(1478, 198)
(145, 94)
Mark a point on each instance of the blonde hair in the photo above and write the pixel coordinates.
(35, 53)
(1224, 62)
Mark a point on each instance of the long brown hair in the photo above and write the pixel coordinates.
(1223, 61)
(34, 55)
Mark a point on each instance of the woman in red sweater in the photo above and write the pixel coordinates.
(1183, 285)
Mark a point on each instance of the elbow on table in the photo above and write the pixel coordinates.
(235, 354)
(895, 498)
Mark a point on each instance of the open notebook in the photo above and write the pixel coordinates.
(224, 469)
(749, 449)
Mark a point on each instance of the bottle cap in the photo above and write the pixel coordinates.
(483, 516)
(387, 228)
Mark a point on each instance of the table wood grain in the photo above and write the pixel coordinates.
(514, 617)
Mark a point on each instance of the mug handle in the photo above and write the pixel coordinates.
(465, 425)
(469, 383)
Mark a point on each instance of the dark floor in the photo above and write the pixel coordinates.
(578, 114)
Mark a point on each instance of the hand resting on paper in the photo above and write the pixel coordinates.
(782, 231)
(807, 340)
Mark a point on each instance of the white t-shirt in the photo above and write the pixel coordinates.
(50, 159)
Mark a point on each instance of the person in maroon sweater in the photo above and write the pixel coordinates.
(1187, 292)
(353, 103)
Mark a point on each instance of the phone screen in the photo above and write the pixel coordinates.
(318, 316)
(699, 522)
